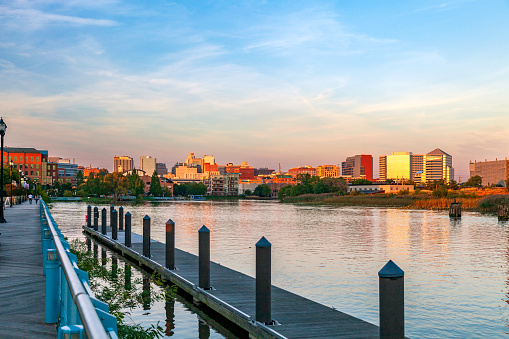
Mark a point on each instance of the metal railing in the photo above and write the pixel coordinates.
(69, 300)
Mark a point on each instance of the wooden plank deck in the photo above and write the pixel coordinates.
(21, 281)
(298, 317)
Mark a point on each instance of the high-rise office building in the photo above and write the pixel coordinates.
(401, 166)
(492, 172)
(147, 164)
(358, 166)
(122, 163)
(437, 165)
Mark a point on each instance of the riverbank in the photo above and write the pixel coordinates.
(488, 203)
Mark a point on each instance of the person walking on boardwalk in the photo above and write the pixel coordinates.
(36, 198)
(30, 198)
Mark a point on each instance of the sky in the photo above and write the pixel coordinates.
(268, 82)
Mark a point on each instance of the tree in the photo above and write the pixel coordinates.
(136, 185)
(248, 192)
(362, 182)
(262, 190)
(475, 181)
(155, 185)
(79, 178)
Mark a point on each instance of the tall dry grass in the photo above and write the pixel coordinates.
(444, 203)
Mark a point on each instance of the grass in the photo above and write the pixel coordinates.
(420, 201)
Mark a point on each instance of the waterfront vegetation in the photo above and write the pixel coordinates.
(115, 287)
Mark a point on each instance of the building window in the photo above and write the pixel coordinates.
(26, 172)
(15, 158)
(37, 166)
(37, 159)
(31, 172)
(32, 159)
(32, 166)
(37, 173)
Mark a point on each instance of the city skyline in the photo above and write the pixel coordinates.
(295, 83)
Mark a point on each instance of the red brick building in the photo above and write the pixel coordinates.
(27, 160)
(246, 172)
(302, 170)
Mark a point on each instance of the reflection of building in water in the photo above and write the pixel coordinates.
(397, 233)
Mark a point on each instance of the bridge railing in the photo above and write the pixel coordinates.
(69, 300)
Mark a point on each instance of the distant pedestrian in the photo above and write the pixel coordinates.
(36, 199)
(30, 198)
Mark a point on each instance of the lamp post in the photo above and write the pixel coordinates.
(12, 165)
(3, 127)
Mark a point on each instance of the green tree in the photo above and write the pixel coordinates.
(262, 190)
(248, 192)
(475, 181)
(67, 193)
(155, 185)
(79, 178)
(136, 185)
(362, 182)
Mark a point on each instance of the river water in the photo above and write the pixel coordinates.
(456, 271)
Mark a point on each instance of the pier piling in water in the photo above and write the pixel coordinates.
(392, 301)
(146, 236)
(503, 213)
(204, 258)
(263, 281)
(89, 216)
(96, 218)
(120, 218)
(103, 221)
(170, 245)
(127, 233)
(114, 226)
(455, 209)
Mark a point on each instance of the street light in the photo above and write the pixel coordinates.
(3, 127)
(12, 165)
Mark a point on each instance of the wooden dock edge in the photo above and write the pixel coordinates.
(245, 321)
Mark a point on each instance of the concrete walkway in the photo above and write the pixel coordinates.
(21, 281)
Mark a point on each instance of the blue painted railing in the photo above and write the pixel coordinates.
(69, 300)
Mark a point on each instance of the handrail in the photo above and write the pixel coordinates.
(88, 315)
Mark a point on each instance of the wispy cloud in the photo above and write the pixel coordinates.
(30, 18)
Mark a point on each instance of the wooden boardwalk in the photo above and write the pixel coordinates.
(298, 317)
(21, 281)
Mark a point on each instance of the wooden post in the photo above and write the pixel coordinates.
(114, 226)
(96, 219)
(455, 209)
(170, 245)
(127, 233)
(392, 302)
(89, 216)
(204, 257)
(146, 236)
(120, 218)
(503, 213)
(263, 281)
(103, 221)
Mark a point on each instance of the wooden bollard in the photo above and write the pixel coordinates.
(392, 301)
(263, 281)
(127, 233)
(89, 216)
(120, 218)
(96, 218)
(114, 226)
(503, 213)
(103, 221)
(204, 258)
(146, 236)
(111, 211)
(455, 209)
(170, 245)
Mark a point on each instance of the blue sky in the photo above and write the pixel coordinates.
(290, 82)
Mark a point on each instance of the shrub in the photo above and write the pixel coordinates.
(490, 203)
(67, 194)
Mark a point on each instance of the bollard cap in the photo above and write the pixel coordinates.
(104, 209)
(204, 229)
(391, 270)
(114, 211)
(89, 206)
(170, 222)
(263, 242)
(146, 217)
(121, 207)
(128, 214)
(95, 208)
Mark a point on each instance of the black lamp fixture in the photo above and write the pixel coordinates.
(3, 128)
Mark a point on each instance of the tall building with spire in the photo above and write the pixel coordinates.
(437, 165)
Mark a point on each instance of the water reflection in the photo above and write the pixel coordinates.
(454, 268)
(170, 316)
(146, 300)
